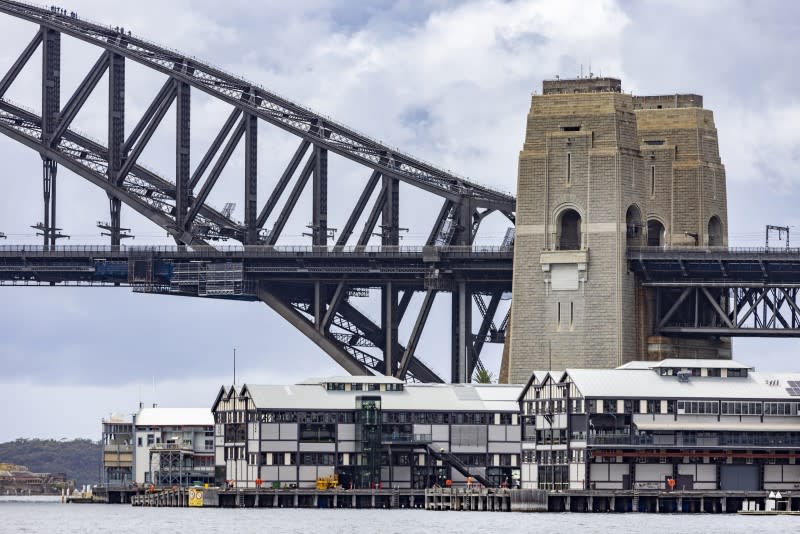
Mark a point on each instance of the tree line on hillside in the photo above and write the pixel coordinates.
(80, 459)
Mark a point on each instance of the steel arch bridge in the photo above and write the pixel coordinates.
(310, 287)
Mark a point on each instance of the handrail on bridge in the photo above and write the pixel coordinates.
(776, 251)
(158, 57)
(255, 250)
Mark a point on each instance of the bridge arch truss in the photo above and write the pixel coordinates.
(319, 305)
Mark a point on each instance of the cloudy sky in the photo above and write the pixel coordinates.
(448, 81)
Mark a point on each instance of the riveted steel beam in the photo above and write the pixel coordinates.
(116, 139)
(376, 335)
(183, 144)
(416, 334)
(270, 107)
(332, 349)
(390, 217)
(291, 202)
(358, 210)
(372, 220)
(251, 179)
(319, 198)
(79, 97)
(167, 92)
(51, 106)
(146, 127)
(20, 63)
(214, 148)
(272, 201)
(438, 224)
(215, 173)
(486, 325)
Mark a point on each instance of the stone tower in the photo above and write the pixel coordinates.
(601, 171)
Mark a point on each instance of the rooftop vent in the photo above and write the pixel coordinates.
(683, 376)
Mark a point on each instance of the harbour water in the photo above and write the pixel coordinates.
(45, 515)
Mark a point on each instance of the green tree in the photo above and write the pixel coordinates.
(483, 376)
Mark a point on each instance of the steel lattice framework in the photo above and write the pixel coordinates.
(722, 292)
(318, 304)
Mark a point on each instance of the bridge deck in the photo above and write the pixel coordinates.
(715, 266)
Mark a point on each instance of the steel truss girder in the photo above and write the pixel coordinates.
(768, 310)
(331, 346)
(142, 190)
(272, 201)
(354, 331)
(78, 99)
(146, 127)
(294, 196)
(20, 63)
(487, 325)
(358, 210)
(270, 107)
(377, 336)
(215, 173)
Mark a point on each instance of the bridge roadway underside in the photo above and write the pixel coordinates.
(697, 292)
(311, 287)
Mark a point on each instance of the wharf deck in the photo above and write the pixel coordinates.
(473, 499)
(283, 498)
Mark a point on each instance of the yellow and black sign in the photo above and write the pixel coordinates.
(196, 497)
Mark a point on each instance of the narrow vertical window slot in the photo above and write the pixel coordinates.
(571, 315)
(653, 181)
(569, 168)
(558, 316)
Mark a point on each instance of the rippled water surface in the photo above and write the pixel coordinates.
(48, 515)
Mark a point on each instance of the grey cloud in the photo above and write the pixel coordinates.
(447, 81)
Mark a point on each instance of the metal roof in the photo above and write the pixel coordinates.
(644, 384)
(174, 417)
(698, 364)
(414, 397)
(349, 379)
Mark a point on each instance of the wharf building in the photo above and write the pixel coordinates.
(117, 441)
(159, 446)
(601, 171)
(702, 424)
(369, 432)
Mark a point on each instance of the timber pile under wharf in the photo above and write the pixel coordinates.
(474, 499)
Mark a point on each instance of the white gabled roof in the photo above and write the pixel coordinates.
(353, 380)
(639, 384)
(174, 417)
(700, 363)
(414, 397)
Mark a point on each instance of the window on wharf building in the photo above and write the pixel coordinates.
(698, 407)
(780, 408)
(235, 432)
(318, 432)
(741, 408)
